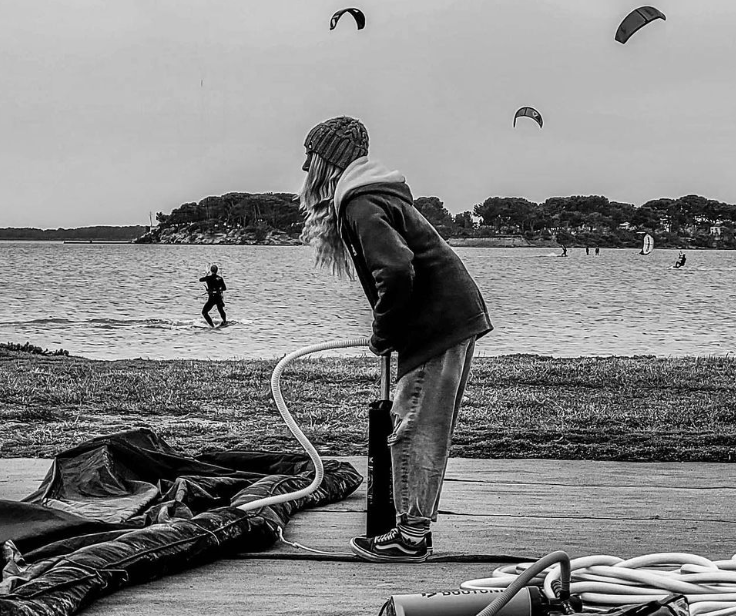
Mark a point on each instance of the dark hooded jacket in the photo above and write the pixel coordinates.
(424, 300)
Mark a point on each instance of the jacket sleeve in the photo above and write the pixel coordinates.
(389, 262)
(203, 279)
(223, 286)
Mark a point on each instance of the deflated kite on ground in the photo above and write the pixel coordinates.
(127, 508)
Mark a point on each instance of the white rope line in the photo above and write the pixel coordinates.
(300, 546)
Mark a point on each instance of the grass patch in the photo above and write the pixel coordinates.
(516, 406)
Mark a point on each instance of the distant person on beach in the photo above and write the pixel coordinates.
(360, 217)
(680, 260)
(587, 250)
(597, 251)
(215, 287)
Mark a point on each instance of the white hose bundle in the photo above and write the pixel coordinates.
(319, 470)
(603, 582)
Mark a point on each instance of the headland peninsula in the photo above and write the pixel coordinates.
(688, 222)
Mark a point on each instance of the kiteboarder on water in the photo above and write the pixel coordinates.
(215, 287)
(360, 217)
(680, 260)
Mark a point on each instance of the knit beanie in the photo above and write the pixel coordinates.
(338, 140)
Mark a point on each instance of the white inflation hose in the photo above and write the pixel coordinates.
(603, 582)
(319, 470)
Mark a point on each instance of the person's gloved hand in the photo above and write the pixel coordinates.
(379, 346)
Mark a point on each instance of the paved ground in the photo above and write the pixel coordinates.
(490, 509)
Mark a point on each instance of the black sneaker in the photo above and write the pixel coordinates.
(389, 548)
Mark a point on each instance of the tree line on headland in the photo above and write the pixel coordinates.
(690, 221)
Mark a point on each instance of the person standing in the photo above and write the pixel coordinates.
(360, 218)
(215, 287)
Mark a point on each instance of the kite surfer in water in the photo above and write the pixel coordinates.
(215, 287)
(360, 217)
(680, 260)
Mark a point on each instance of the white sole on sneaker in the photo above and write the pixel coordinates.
(380, 558)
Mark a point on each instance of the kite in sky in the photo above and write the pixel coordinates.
(529, 112)
(637, 19)
(356, 13)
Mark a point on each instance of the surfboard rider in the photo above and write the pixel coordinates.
(215, 287)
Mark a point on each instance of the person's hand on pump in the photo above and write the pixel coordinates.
(379, 346)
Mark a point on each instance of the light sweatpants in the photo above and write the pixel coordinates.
(425, 407)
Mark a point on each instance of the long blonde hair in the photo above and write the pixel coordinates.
(320, 227)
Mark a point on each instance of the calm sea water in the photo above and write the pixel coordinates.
(125, 301)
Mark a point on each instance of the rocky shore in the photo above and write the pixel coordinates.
(500, 241)
(190, 234)
(237, 235)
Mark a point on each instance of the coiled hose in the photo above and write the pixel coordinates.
(603, 582)
(319, 471)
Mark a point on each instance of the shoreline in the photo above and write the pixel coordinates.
(455, 242)
(366, 355)
(637, 408)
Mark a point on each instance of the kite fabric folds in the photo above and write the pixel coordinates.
(128, 508)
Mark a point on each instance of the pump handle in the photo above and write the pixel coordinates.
(386, 376)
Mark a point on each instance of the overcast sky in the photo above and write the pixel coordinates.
(111, 109)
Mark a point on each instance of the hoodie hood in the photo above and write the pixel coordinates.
(362, 172)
